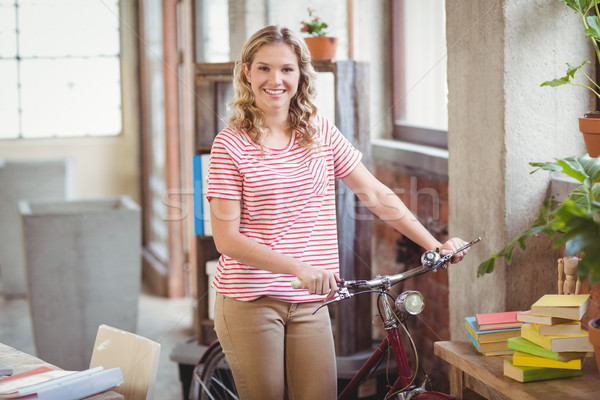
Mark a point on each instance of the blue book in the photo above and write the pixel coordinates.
(493, 335)
(198, 192)
(489, 346)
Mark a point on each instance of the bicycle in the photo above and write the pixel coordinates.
(212, 378)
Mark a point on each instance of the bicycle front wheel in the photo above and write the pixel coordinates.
(213, 380)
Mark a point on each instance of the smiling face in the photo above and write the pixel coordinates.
(274, 76)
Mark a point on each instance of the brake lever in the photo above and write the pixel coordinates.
(444, 260)
(343, 294)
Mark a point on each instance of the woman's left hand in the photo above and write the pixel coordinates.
(452, 245)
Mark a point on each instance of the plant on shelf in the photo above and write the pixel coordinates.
(319, 44)
(589, 124)
(574, 223)
(315, 25)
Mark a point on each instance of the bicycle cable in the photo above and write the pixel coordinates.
(414, 347)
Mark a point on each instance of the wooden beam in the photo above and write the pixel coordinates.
(353, 317)
(172, 146)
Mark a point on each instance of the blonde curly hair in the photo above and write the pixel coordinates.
(247, 116)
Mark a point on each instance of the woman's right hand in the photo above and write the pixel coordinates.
(318, 281)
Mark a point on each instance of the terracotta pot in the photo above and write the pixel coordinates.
(594, 308)
(321, 47)
(589, 125)
(594, 331)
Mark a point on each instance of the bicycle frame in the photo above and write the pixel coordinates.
(430, 261)
(393, 316)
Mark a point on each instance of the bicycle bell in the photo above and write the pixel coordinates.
(430, 259)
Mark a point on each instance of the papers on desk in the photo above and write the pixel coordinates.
(44, 383)
(5, 370)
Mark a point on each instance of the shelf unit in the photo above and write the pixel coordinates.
(213, 88)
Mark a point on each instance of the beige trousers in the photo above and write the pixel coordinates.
(271, 345)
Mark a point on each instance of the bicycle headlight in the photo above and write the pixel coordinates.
(410, 302)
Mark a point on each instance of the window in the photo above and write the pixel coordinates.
(419, 72)
(59, 68)
(213, 31)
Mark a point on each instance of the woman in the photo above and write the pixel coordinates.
(272, 199)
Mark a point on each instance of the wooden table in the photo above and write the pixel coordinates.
(22, 362)
(472, 372)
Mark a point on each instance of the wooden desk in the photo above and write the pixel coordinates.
(22, 362)
(472, 372)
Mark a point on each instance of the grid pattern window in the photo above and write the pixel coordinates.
(420, 72)
(59, 68)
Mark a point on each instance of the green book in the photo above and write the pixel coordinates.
(525, 346)
(532, 374)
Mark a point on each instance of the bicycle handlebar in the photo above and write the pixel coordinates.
(430, 261)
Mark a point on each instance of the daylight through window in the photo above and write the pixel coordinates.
(59, 68)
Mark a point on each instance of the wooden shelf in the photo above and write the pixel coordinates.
(473, 372)
(206, 251)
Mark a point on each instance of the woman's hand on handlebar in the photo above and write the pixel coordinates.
(451, 246)
(319, 281)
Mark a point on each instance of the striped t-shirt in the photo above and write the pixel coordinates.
(287, 199)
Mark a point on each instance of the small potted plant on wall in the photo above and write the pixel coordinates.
(575, 224)
(321, 46)
(589, 124)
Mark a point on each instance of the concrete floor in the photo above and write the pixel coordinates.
(166, 321)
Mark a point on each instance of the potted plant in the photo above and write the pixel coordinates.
(589, 124)
(321, 46)
(574, 223)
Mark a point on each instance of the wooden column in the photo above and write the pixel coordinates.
(173, 180)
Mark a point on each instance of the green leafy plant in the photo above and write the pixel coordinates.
(315, 26)
(574, 223)
(591, 25)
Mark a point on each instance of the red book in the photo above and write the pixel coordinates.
(499, 320)
(35, 371)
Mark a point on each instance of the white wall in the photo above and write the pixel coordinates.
(102, 166)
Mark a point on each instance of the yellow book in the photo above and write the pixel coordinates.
(527, 316)
(529, 360)
(569, 328)
(571, 306)
(497, 353)
(579, 342)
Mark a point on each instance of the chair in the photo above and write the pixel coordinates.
(135, 355)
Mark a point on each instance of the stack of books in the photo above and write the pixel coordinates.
(552, 343)
(489, 332)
